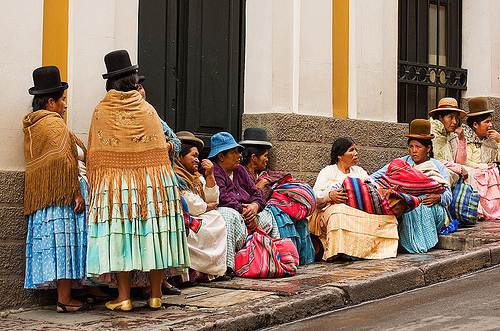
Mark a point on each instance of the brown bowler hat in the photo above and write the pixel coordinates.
(188, 137)
(449, 104)
(479, 106)
(420, 129)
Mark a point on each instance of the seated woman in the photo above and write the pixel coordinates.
(255, 157)
(419, 228)
(240, 202)
(207, 246)
(482, 150)
(343, 229)
(449, 143)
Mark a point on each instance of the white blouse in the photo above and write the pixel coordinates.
(330, 178)
(82, 170)
(196, 204)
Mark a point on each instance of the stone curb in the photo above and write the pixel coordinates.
(341, 294)
(276, 311)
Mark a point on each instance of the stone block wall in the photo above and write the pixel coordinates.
(302, 143)
(13, 225)
(301, 146)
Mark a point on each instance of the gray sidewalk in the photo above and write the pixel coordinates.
(249, 304)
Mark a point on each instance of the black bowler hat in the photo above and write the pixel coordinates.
(255, 136)
(118, 63)
(47, 80)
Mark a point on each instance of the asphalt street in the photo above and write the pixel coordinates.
(470, 302)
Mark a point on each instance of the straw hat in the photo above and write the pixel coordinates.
(188, 137)
(255, 137)
(449, 104)
(479, 106)
(420, 129)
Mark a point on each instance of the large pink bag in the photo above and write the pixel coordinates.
(264, 257)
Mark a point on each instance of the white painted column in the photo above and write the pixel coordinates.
(373, 45)
(315, 59)
(481, 47)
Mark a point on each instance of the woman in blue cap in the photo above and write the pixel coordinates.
(240, 202)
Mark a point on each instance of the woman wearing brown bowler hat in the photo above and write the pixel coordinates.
(418, 229)
(482, 150)
(482, 139)
(136, 228)
(55, 194)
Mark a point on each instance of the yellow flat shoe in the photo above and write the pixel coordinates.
(155, 303)
(125, 305)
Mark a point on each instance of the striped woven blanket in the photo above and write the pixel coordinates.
(401, 177)
(367, 197)
(294, 197)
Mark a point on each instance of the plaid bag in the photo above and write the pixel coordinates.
(464, 204)
(264, 257)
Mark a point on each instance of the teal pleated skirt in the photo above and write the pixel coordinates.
(136, 243)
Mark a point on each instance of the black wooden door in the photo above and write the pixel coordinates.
(191, 52)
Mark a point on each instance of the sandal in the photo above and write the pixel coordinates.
(62, 308)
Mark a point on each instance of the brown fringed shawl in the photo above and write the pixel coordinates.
(193, 180)
(51, 176)
(126, 142)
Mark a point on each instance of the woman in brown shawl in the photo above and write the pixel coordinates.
(136, 227)
(55, 194)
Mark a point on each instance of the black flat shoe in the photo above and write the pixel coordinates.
(171, 291)
(61, 308)
(92, 298)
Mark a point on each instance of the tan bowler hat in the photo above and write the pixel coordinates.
(479, 106)
(186, 136)
(449, 104)
(420, 129)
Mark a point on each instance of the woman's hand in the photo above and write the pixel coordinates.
(431, 199)
(460, 132)
(208, 166)
(80, 204)
(464, 173)
(337, 196)
(250, 210)
(211, 206)
(493, 134)
(262, 183)
(251, 225)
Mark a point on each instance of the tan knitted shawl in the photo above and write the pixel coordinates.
(126, 142)
(51, 176)
(193, 180)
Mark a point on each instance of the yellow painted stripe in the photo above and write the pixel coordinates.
(340, 57)
(55, 35)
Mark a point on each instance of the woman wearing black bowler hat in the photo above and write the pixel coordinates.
(136, 227)
(55, 195)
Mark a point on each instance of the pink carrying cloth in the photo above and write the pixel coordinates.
(264, 257)
(488, 186)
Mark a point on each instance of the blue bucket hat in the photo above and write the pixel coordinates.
(221, 142)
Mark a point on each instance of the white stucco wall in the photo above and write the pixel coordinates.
(373, 45)
(288, 57)
(95, 28)
(20, 53)
(93, 33)
(481, 47)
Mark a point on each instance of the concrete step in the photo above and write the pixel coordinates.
(484, 232)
